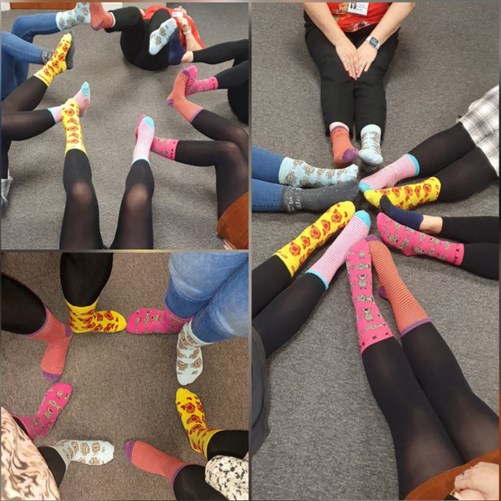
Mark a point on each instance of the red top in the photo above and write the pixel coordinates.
(194, 30)
(349, 21)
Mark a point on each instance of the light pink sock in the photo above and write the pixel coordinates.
(371, 325)
(357, 229)
(413, 243)
(151, 321)
(193, 86)
(404, 167)
(144, 137)
(164, 147)
(82, 97)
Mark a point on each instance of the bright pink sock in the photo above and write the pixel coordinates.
(145, 132)
(193, 86)
(44, 420)
(164, 147)
(82, 97)
(151, 321)
(404, 167)
(357, 228)
(371, 325)
(99, 18)
(413, 243)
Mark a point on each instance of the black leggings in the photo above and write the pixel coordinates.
(236, 78)
(135, 37)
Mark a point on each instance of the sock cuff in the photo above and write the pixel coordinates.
(81, 310)
(317, 274)
(423, 321)
(195, 114)
(134, 160)
(59, 448)
(335, 125)
(415, 161)
(371, 128)
(50, 319)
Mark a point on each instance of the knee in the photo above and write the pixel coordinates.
(239, 136)
(82, 194)
(20, 23)
(229, 149)
(137, 199)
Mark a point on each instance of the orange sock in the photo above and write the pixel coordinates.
(100, 19)
(177, 98)
(408, 312)
(343, 152)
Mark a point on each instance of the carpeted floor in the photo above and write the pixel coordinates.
(328, 438)
(184, 204)
(123, 385)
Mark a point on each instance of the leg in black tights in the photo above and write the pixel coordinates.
(226, 51)
(190, 485)
(22, 125)
(233, 443)
(26, 97)
(471, 229)
(482, 259)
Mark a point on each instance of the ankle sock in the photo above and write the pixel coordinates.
(44, 420)
(82, 98)
(160, 37)
(79, 15)
(371, 326)
(93, 452)
(57, 336)
(151, 321)
(164, 147)
(177, 98)
(405, 217)
(192, 414)
(100, 19)
(408, 312)
(61, 60)
(194, 86)
(87, 319)
(404, 167)
(71, 122)
(190, 363)
(295, 253)
(176, 49)
(145, 135)
(370, 152)
(334, 257)
(343, 152)
(145, 457)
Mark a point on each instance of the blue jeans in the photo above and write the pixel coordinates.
(213, 288)
(18, 50)
(266, 197)
(265, 165)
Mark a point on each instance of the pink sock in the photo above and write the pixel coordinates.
(82, 97)
(53, 403)
(193, 86)
(145, 133)
(404, 167)
(413, 243)
(356, 229)
(151, 321)
(371, 325)
(164, 147)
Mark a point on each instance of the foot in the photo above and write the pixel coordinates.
(190, 362)
(79, 15)
(344, 153)
(82, 97)
(407, 218)
(370, 153)
(87, 319)
(178, 92)
(145, 132)
(92, 452)
(151, 321)
(176, 50)
(100, 19)
(161, 37)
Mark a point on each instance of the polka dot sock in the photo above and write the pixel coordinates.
(195, 86)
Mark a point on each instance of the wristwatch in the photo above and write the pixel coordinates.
(374, 42)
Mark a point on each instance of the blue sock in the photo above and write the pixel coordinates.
(407, 218)
(176, 50)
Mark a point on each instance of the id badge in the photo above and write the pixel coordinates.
(360, 8)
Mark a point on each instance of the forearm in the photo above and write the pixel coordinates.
(392, 20)
(321, 16)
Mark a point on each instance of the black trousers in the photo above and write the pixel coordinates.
(354, 102)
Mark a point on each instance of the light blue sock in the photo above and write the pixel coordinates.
(370, 152)
(160, 38)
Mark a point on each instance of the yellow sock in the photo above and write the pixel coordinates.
(71, 122)
(192, 414)
(408, 196)
(57, 63)
(87, 319)
(295, 253)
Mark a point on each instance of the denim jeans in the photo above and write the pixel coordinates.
(265, 165)
(18, 50)
(266, 197)
(213, 288)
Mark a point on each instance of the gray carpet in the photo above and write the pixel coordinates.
(328, 438)
(184, 204)
(123, 385)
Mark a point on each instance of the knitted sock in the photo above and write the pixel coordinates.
(69, 18)
(408, 196)
(176, 49)
(344, 153)
(190, 363)
(71, 122)
(82, 97)
(295, 253)
(150, 321)
(100, 19)
(160, 37)
(414, 243)
(408, 312)
(145, 135)
(94, 452)
(334, 257)
(61, 60)
(371, 326)
(192, 414)
(57, 336)
(87, 319)
(318, 199)
(404, 167)
(407, 218)
(43, 421)
(194, 86)
(370, 152)
(299, 174)
(145, 457)
(177, 98)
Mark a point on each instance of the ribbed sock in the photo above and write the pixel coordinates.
(87, 319)
(92, 452)
(370, 152)
(82, 97)
(195, 86)
(343, 152)
(405, 217)
(69, 18)
(100, 19)
(160, 37)
(177, 98)
(151, 321)
(61, 60)
(71, 122)
(144, 138)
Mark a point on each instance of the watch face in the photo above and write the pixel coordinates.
(373, 42)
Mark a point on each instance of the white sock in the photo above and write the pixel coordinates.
(95, 452)
(160, 38)
(6, 188)
(79, 15)
(190, 363)
(370, 152)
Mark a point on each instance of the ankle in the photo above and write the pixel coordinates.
(431, 224)
(187, 57)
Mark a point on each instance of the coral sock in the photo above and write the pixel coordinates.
(414, 243)
(371, 325)
(145, 457)
(192, 414)
(82, 97)
(93, 452)
(100, 19)
(87, 319)
(295, 253)
(343, 151)
(193, 86)
(151, 321)
(61, 60)
(408, 312)
(408, 196)
(71, 122)
(144, 138)
(57, 336)
(405, 217)
(404, 167)
(334, 257)
(177, 98)
(44, 420)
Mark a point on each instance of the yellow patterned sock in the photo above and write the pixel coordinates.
(407, 196)
(59, 62)
(192, 414)
(295, 253)
(71, 122)
(87, 319)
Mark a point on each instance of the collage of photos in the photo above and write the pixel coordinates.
(259, 244)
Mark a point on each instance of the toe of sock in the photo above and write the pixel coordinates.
(373, 197)
(128, 447)
(364, 217)
(185, 378)
(51, 377)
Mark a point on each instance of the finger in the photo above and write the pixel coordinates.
(367, 66)
(460, 482)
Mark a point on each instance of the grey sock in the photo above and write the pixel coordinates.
(46, 55)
